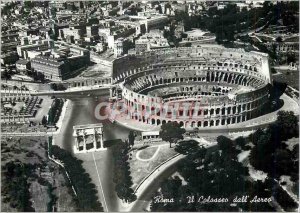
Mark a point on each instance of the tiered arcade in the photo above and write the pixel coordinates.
(220, 86)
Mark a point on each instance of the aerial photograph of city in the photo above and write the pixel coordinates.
(149, 106)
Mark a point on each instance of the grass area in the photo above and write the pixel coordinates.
(289, 77)
(140, 169)
(147, 153)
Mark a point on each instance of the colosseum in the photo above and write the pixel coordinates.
(205, 86)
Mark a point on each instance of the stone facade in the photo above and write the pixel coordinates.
(206, 86)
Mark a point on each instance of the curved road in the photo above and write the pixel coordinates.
(99, 164)
(148, 192)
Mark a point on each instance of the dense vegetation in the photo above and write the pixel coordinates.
(230, 20)
(122, 178)
(86, 198)
(213, 172)
(270, 153)
(54, 111)
(15, 185)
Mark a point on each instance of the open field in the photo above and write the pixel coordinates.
(140, 169)
(147, 153)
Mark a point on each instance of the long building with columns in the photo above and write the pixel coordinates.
(206, 86)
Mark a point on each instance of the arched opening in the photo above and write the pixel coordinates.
(193, 124)
(181, 123)
(228, 120)
(223, 111)
(233, 110)
(187, 124)
(228, 110)
(223, 122)
(153, 121)
(199, 124)
(233, 120)
(158, 122)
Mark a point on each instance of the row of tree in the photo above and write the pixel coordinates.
(54, 112)
(122, 177)
(86, 193)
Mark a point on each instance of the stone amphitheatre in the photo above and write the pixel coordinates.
(204, 86)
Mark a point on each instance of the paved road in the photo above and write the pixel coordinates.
(82, 91)
(98, 165)
(149, 190)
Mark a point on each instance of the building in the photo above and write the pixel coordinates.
(52, 68)
(119, 32)
(61, 64)
(142, 45)
(152, 40)
(92, 31)
(151, 20)
(119, 47)
(100, 47)
(219, 86)
(41, 45)
(9, 58)
(23, 65)
(72, 31)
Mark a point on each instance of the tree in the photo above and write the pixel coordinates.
(283, 161)
(187, 147)
(131, 138)
(86, 198)
(44, 120)
(254, 137)
(240, 141)
(171, 132)
(288, 124)
(291, 58)
(279, 39)
(224, 143)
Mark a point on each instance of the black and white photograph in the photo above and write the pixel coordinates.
(149, 106)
